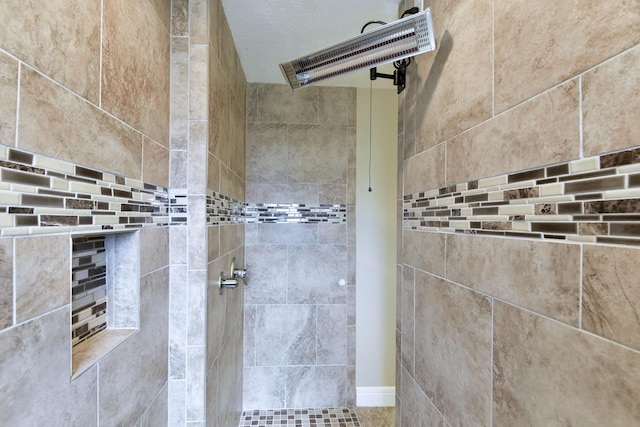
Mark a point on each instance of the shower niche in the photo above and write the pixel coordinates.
(105, 295)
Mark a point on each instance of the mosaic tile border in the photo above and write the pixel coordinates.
(295, 213)
(222, 209)
(39, 192)
(88, 288)
(338, 417)
(595, 200)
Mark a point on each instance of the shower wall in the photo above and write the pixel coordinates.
(208, 121)
(299, 324)
(517, 294)
(84, 134)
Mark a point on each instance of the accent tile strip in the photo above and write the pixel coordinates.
(295, 213)
(594, 200)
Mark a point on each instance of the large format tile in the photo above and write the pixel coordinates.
(179, 105)
(453, 349)
(285, 335)
(542, 131)
(541, 276)
(268, 274)
(540, 44)
(610, 295)
(8, 99)
(60, 38)
(609, 104)
(154, 249)
(317, 153)
(6, 283)
(424, 251)
(264, 387)
(316, 386)
(132, 376)
(267, 153)
(313, 273)
(425, 171)
(416, 410)
(57, 123)
(546, 373)
(407, 318)
(278, 104)
(135, 62)
(155, 163)
(36, 361)
(331, 332)
(42, 274)
(454, 84)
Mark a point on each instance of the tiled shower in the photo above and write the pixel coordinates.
(125, 123)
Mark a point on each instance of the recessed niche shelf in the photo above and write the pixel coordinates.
(105, 288)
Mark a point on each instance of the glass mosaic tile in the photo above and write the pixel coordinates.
(332, 417)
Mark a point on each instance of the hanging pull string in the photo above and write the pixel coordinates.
(370, 121)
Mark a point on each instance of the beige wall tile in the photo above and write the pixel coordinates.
(333, 105)
(454, 87)
(219, 114)
(136, 62)
(6, 283)
(42, 274)
(541, 131)
(540, 44)
(453, 349)
(197, 170)
(228, 55)
(317, 153)
(541, 276)
(215, 18)
(8, 99)
(154, 249)
(55, 122)
(60, 38)
(163, 9)
(425, 171)
(36, 361)
(155, 164)
(277, 103)
(610, 106)
(415, 407)
(198, 81)
(123, 398)
(179, 108)
(199, 21)
(213, 174)
(610, 295)
(267, 153)
(237, 142)
(424, 251)
(546, 373)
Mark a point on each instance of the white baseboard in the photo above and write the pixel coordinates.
(376, 396)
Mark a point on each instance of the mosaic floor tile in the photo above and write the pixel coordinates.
(333, 417)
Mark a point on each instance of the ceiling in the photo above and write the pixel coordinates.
(268, 32)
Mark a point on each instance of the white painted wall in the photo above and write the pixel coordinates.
(376, 248)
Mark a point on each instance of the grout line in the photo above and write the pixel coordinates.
(580, 118)
(18, 94)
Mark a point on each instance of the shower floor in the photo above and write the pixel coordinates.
(335, 417)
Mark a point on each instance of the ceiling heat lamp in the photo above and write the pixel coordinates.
(392, 42)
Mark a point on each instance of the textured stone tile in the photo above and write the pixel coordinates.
(609, 106)
(197, 175)
(288, 234)
(219, 115)
(548, 273)
(538, 45)
(36, 364)
(179, 105)
(198, 81)
(332, 234)
(424, 251)
(332, 335)
(180, 18)
(6, 283)
(267, 153)
(216, 310)
(198, 22)
(156, 415)
(317, 153)
(264, 387)
(163, 9)
(453, 349)
(155, 163)
(60, 38)
(454, 85)
(237, 142)
(8, 99)
(259, 192)
(249, 335)
(177, 397)
(213, 395)
(316, 386)
(57, 123)
(416, 408)
(42, 274)
(213, 242)
(196, 383)
(425, 171)
(228, 55)
(610, 297)
(278, 104)
(215, 24)
(123, 398)
(547, 373)
(328, 264)
(178, 322)
(285, 335)
(154, 249)
(136, 62)
(268, 269)
(379, 417)
(542, 131)
(333, 105)
(230, 371)
(197, 333)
